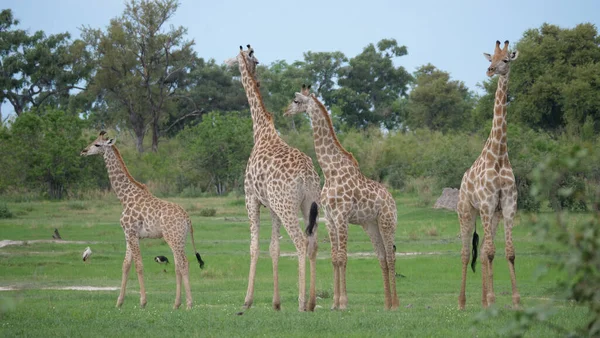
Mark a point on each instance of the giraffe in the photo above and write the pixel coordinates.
(350, 197)
(488, 188)
(284, 180)
(145, 216)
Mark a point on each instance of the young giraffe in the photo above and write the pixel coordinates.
(284, 180)
(349, 197)
(145, 216)
(488, 187)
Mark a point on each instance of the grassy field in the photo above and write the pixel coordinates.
(428, 257)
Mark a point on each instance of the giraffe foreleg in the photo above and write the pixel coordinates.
(182, 267)
(124, 276)
(253, 208)
(510, 254)
(134, 244)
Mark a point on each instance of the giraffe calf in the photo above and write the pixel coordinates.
(145, 216)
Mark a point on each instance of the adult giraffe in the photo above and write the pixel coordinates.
(284, 180)
(350, 197)
(488, 188)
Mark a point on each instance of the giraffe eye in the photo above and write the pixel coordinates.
(505, 61)
(97, 145)
(296, 101)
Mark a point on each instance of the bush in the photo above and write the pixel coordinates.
(5, 212)
(207, 212)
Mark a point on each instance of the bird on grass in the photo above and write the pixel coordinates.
(161, 260)
(86, 254)
(56, 235)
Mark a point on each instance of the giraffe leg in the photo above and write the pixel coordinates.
(510, 253)
(372, 230)
(312, 256)
(290, 222)
(125, 275)
(342, 260)
(489, 251)
(274, 251)
(253, 208)
(333, 240)
(467, 227)
(387, 229)
(184, 273)
(134, 244)
(177, 303)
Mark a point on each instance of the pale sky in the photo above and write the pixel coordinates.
(451, 35)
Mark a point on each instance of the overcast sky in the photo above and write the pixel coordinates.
(451, 35)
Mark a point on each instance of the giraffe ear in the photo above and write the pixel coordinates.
(488, 57)
(514, 55)
(110, 142)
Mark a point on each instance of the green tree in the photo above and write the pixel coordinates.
(218, 149)
(438, 103)
(371, 86)
(323, 69)
(555, 83)
(36, 69)
(44, 152)
(278, 83)
(141, 65)
(210, 87)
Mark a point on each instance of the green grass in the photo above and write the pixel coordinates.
(428, 293)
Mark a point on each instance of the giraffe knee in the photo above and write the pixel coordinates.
(511, 259)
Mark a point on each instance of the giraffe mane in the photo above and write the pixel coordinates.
(257, 91)
(330, 125)
(125, 170)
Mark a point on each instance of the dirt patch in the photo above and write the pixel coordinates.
(7, 242)
(72, 288)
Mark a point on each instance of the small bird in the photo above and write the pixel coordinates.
(56, 235)
(86, 254)
(161, 260)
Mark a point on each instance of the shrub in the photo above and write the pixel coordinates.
(207, 212)
(5, 212)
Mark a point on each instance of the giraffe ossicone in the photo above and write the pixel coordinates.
(145, 216)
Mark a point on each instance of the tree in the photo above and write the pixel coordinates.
(371, 86)
(555, 83)
(278, 83)
(323, 69)
(43, 148)
(37, 70)
(218, 148)
(208, 87)
(141, 66)
(438, 103)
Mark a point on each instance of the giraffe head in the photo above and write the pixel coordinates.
(500, 61)
(247, 61)
(98, 146)
(300, 102)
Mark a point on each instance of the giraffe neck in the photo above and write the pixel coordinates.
(496, 142)
(262, 121)
(124, 185)
(330, 153)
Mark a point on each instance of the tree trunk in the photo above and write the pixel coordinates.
(137, 122)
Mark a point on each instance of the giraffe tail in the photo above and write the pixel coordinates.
(475, 245)
(200, 261)
(312, 218)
